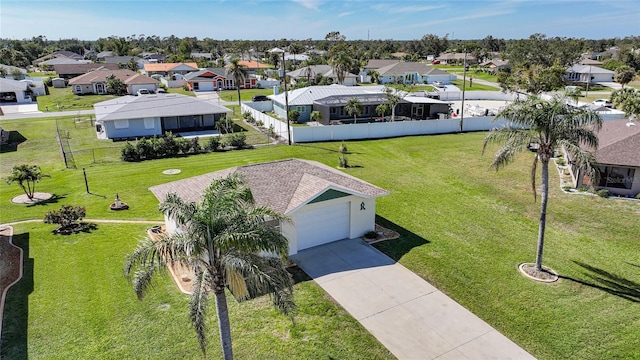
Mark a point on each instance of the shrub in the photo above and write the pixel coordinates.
(183, 145)
(213, 144)
(129, 153)
(342, 161)
(237, 140)
(343, 148)
(371, 235)
(67, 218)
(259, 123)
(638, 196)
(603, 193)
(167, 145)
(294, 115)
(195, 145)
(560, 161)
(145, 149)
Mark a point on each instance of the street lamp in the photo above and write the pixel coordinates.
(286, 94)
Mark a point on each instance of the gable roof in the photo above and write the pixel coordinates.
(100, 75)
(204, 74)
(10, 85)
(282, 186)
(324, 70)
(60, 60)
(618, 144)
(252, 64)
(168, 66)
(309, 94)
(66, 69)
(159, 105)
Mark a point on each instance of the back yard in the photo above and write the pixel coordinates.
(463, 227)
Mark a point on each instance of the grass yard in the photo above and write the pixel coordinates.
(245, 94)
(464, 228)
(475, 86)
(65, 100)
(73, 302)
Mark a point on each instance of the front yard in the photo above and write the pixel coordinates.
(464, 228)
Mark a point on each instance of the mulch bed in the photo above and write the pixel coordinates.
(383, 234)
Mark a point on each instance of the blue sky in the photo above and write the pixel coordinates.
(303, 19)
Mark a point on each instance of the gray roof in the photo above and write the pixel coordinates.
(324, 70)
(159, 105)
(402, 68)
(309, 94)
(10, 69)
(618, 144)
(282, 186)
(586, 69)
(198, 75)
(378, 63)
(10, 85)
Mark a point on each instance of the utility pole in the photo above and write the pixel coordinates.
(464, 86)
(588, 81)
(286, 97)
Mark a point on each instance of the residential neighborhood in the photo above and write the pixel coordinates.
(448, 195)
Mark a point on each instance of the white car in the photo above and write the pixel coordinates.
(143, 92)
(438, 84)
(603, 102)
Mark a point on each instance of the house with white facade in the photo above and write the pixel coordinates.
(95, 82)
(589, 74)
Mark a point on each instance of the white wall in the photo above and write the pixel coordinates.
(478, 95)
(361, 221)
(172, 84)
(280, 127)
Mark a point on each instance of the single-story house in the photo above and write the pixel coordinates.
(154, 58)
(103, 55)
(211, 79)
(413, 73)
(68, 71)
(456, 58)
(310, 73)
(95, 82)
(494, 65)
(330, 101)
(15, 91)
(13, 72)
(589, 74)
(252, 66)
(149, 115)
(618, 159)
(201, 55)
(323, 204)
(58, 54)
(123, 60)
(169, 69)
(49, 64)
(374, 64)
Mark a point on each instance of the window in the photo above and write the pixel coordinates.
(149, 123)
(78, 89)
(196, 85)
(300, 109)
(332, 110)
(616, 177)
(121, 124)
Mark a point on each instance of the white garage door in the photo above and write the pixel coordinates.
(322, 225)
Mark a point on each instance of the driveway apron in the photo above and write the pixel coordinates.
(409, 316)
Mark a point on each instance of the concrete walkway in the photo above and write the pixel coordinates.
(406, 314)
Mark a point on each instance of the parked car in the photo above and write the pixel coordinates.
(260, 98)
(603, 102)
(435, 62)
(143, 92)
(438, 84)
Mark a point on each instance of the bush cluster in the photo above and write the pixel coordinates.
(603, 193)
(170, 145)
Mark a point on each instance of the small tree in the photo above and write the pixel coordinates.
(116, 86)
(624, 75)
(353, 107)
(67, 218)
(294, 115)
(383, 110)
(26, 176)
(316, 116)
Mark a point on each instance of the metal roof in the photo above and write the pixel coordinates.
(310, 94)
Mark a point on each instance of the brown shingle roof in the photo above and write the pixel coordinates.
(126, 75)
(619, 144)
(71, 69)
(280, 185)
(167, 66)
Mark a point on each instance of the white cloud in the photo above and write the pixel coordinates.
(346, 13)
(309, 4)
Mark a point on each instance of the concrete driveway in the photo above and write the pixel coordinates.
(406, 314)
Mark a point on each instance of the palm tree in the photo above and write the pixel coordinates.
(341, 63)
(353, 107)
(628, 100)
(26, 176)
(316, 116)
(222, 239)
(239, 74)
(548, 126)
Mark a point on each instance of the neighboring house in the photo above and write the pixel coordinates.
(68, 71)
(13, 72)
(95, 82)
(149, 115)
(58, 54)
(589, 74)
(330, 100)
(590, 62)
(618, 159)
(494, 65)
(456, 58)
(169, 69)
(49, 64)
(322, 203)
(210, 79)
(201, 55)
(14, 92)
(296, 58)
(155, 58)
(374, 64)
(310, 72)
(252, 66)
(413, 73)
(101, 56)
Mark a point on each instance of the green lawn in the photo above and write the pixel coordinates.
(245, 94)
(464, 228)
(475, 86)
(64, 100)
(73, 302)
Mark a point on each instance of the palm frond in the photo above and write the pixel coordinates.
(198, 307)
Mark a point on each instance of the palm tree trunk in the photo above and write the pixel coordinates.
(543, 213)
(224, 325)
(238, 85)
